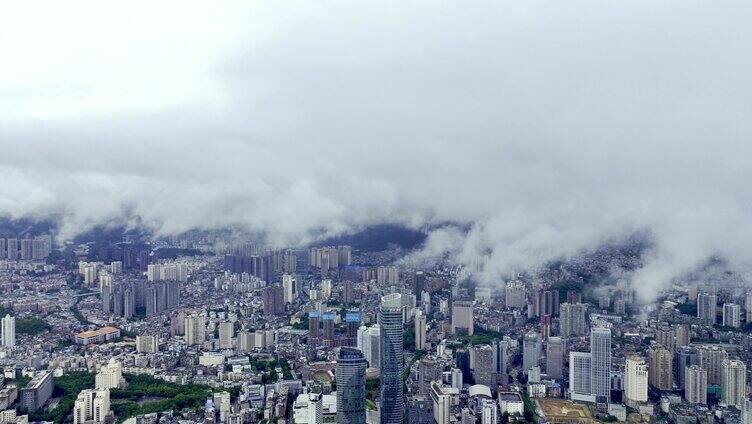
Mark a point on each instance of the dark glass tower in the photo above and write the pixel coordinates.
(392, 360)
(351, 386)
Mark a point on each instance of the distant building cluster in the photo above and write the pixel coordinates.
(26, 249)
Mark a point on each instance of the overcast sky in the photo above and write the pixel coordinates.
(552, 126)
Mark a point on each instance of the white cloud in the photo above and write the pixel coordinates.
(552, 127)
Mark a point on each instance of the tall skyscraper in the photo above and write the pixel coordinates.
(274, 300)
(572, 319)
(9, 331)
(195, 329)
(600, 349)
(462, 317)
(290, 288)
(748, 307)
(226, 332)
(327, 318)
(686, 356)
(733, 383)
(706, 307)
(531, 350)
(483, 372)
(314, 324)
(711, 359)
(501, 357)
(420, 283)
(732, 315)
(696, 385)
(635, 380)
(350, 376)
(392, 360)
(555, 357)
(661, 375)
(420, 330)
(12, 249)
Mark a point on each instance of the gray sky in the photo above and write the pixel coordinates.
(551, 125)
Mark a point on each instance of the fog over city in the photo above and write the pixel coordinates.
(546, 128)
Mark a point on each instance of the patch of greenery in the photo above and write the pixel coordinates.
(176, 396)
(480, 336)
(687, 308)
(372, 388)
(408, 338)
(31, 326)
(303, 324)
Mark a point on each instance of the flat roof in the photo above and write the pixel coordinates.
(97, 332)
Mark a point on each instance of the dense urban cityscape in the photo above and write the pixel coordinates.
(375, 212)
(199, 329)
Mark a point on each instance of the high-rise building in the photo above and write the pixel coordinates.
(686, 356)
(501, 348)
(91, 406)
(350, 374)
(531, 350)
(9, 331)
(666, 337)
(746, 416)
(195, 330)
(545, 302)
(457, 380)
(711, 359)
(462, 317)
(580, 374)
(26, 249)
(572, 319)
(392, 360)
(419, 284)
(420, 330)
(484, 370)
(683, 335)
(12, 249)
(733, 383)
(442, 403)
(290, 288)
(489, 412)
(600, 349)
(555, 348)
(732, 315)
(514, 294)
(696, 385)
(635, 380)
(748, 308)
(327, 318)
(661, 375)
(3, 249)
(109, 376)
(274, 301)
(314, 324)
(369, 343)
(226, 332)
(706, 307)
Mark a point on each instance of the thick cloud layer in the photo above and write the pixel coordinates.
(551, 126)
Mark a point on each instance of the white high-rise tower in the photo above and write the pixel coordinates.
(9, 331)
